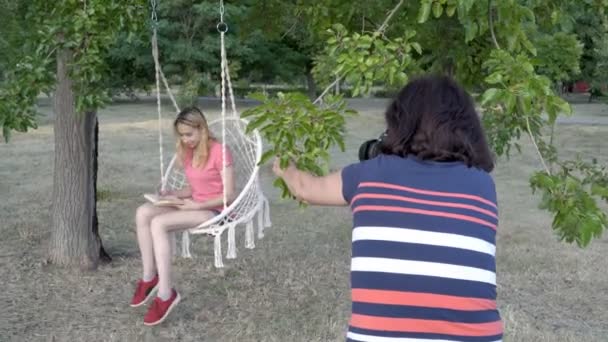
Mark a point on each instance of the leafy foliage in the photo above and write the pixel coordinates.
(515, 88)
(17, 97)
(517, 100)
(86, 29)
(570, 194)
(365, 59)
(558, 56)
(189, 91)
(517, 84)
(299, 130)
(590, 24)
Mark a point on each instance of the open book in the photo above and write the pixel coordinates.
(163, 201)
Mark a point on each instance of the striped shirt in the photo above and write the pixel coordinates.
(423, 265)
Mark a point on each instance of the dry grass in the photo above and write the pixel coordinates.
(294, 285)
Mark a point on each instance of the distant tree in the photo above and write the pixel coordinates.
(591, 27)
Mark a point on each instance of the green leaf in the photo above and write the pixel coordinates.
(450, 10)
(437, 9)
(256, 123)
(527, 43)
(494, 78)
(563, 105)
(417, 47)
(489, 95)
(470, 29)
(266, 157)
(424, 12)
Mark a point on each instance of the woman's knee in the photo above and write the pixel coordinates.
(144, 213)
(158, 226)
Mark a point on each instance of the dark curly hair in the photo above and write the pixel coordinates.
(434, 118)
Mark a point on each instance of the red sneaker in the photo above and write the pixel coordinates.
(159, 310)
(144, 291)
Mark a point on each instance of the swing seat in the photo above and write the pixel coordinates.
(246, 149)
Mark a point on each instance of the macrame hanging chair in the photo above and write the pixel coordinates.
(246, 151)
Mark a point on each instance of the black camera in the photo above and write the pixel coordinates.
(371, 148)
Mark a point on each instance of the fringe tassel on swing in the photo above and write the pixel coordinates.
(231, 243)
(217, 246)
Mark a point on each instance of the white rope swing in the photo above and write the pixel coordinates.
(246, 149)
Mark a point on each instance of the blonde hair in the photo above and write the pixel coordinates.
(193, 117)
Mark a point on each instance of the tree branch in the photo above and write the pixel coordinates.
(50, 53)
(542, 160)
(491, 23)
(327, 89)
(295, 23)
(371, 22)
(519, 105)
(380, 30)
(520, 108)
(389, 17)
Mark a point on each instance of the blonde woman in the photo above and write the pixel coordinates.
(200, 155)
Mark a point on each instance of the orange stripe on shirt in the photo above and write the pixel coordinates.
(428, 300)
(420, 201)
(427, 192)
(423, 212)
(412, 325)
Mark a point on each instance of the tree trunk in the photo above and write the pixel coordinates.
(449, 67)
(337, 87)
(311, 84)
(72, 240)
(103, 255)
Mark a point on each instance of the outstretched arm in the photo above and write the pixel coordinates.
(324, 190)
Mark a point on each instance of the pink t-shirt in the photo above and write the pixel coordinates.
(206, 183)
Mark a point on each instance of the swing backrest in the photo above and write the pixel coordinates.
(246, 149)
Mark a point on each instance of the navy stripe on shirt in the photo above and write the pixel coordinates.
(424, 284)
(415, 312)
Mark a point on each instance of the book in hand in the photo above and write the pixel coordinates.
(164, 201)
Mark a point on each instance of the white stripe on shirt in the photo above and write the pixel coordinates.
(424, 268)
(423, 237)
(369, 338)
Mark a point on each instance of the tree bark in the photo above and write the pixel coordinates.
(73, 242)
(104, 257)
(449, 67)
(311, 84)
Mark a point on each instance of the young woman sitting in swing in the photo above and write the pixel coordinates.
(200, 155)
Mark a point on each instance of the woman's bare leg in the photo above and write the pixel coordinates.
(160, 228)
(144, 214)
